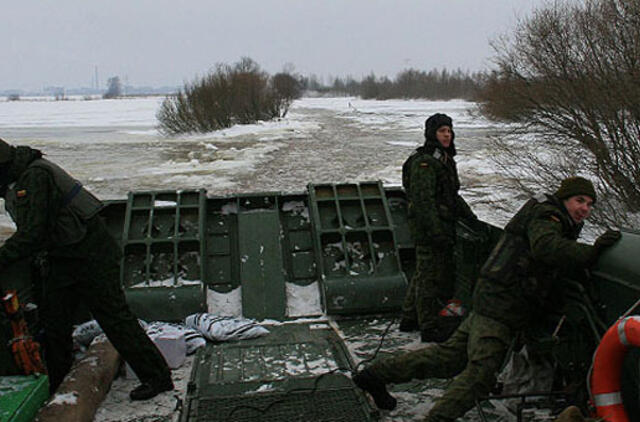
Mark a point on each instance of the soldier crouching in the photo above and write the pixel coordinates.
(538, 244)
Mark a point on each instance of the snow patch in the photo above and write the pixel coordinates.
(303, 300)
(226, 304)
(66, 398)
(169, 282)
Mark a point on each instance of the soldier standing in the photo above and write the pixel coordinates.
(57, 218)
(538, 245)
(430, 179)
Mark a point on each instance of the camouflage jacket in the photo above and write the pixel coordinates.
(430, 179)
(35, 208)
(520, 278)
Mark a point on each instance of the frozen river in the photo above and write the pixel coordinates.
(113, 146)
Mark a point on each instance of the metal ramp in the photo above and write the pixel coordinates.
(297, 372)
(350, 239)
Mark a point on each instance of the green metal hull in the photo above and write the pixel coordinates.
(349, 240)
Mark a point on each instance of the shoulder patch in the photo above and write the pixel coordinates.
(21, 193)
(554, 218)
(423, 164)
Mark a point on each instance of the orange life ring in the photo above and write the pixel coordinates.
(607, 368)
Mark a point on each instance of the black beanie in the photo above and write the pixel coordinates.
(434, 122)
(572, 186)
(6, 152)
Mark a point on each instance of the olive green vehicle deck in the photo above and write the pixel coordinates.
(296, 372)
(350, 240)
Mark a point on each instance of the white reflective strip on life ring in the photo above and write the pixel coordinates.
(621, 335)
(608, 399)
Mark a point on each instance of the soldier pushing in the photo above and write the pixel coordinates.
(58, 223)
(516, 285)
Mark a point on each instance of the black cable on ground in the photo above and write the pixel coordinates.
(315, 381)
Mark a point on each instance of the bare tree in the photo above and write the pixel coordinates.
(570, 74)
(238, 94)
(286, 88)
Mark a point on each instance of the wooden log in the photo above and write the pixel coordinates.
(84, 387)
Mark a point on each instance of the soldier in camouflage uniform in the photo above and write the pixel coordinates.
(430, 179)
(515, 283)
(57, 218)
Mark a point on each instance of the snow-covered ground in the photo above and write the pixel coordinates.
(114, 146)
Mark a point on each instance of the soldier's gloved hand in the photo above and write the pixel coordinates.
(607, 239)
(604, 241)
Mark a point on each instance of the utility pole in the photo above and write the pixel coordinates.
(97, 80)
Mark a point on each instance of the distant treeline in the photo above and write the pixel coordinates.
(410, 83)
(243, 93)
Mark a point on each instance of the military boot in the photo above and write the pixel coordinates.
(150, 389)
(434, 333)
(407, 325)
(373, 385)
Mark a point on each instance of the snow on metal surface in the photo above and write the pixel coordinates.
(228, 304)
(66, 398)
(303, 300)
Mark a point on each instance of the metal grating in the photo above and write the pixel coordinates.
(269, 363)
(321, 406)
(297, 372)
(356, 248)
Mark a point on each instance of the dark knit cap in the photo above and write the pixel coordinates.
(6, 152)
(572, 186)
(434, 122)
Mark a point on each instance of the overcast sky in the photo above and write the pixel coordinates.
(167, 42)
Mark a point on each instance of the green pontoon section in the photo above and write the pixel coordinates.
(351, 239)
(259, 243)
(356, 248)
(618, 275)
(21, 396)
(162, 242)
(178, 244)
(472, 250)
(295, 373)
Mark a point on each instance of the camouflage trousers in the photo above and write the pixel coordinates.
(94, 282)
(473, 355)
(432, 284)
